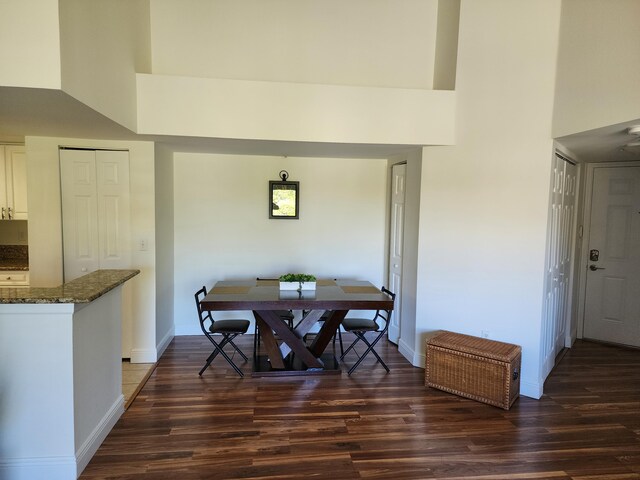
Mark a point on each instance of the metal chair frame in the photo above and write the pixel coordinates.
(227, 336)
(385, 315)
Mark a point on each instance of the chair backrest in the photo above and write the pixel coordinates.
(385, 315)
(202, 315)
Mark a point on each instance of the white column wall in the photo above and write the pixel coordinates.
(483, 210)
(223, 231)
(164, 247)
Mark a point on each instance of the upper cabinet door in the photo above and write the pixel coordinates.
(16, 182)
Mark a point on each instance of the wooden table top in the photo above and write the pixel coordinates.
(266, 295)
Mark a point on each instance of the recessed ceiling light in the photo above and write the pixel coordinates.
(635, 130)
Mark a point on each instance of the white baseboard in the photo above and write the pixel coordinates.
(39, 468)
(530, 389)
(90, 446)
(164, 343)
(407, 352)
(141, 355)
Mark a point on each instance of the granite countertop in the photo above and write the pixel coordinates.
(14, 257)
(81, 290)
(15, 264)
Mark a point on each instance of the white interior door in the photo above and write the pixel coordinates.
(112, 188)
(96, 220)
(81, 247)
(560, 241)
(396, 239)
(612, 302)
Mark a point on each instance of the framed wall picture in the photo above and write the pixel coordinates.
(284, 199)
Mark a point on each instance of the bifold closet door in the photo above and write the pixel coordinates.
(95, 210)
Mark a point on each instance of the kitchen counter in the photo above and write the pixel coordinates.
(81, 290)
(60, 374)
(18, 265)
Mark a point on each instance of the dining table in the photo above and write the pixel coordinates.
(287, 352)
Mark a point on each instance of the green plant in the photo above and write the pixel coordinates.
(297, 277)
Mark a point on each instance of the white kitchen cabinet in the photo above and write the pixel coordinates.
(14, 278)
(13, 182)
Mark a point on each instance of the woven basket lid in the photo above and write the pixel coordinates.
(481, 347)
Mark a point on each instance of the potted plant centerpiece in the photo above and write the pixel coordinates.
(297, 281)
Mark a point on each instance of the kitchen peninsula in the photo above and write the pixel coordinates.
(60, 374)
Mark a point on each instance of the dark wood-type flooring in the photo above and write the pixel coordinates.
(373, 424)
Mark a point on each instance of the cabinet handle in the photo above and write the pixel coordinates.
(10, 215)
(3, 212)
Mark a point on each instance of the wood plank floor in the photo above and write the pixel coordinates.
(374, 425)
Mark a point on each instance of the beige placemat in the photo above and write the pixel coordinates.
(268, 283)
(326, 283)
(239, 290)
(365, 289)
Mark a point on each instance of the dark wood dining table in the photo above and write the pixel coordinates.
(286, 350)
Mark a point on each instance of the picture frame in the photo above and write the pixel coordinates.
(284, 199)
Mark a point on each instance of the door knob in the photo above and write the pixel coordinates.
(593, 268)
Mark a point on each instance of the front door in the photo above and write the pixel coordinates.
(612, 305)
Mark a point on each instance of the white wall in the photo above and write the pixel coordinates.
(204, 107)
(223, 230)
(359, 42)
(29, 43)
(598, 67)
(164, 246)
(299, 70)
(45, 226)
(103, 45)
(483, 210)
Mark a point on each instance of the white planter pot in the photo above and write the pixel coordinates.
(297, 285)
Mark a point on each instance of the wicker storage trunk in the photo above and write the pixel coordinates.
(473, 367)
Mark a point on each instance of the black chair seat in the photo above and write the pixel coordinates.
(230, 326)
(362, 324)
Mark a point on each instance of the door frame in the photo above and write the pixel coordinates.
(586, 222)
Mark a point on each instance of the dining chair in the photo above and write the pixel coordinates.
(361, 326)
(229, 329)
